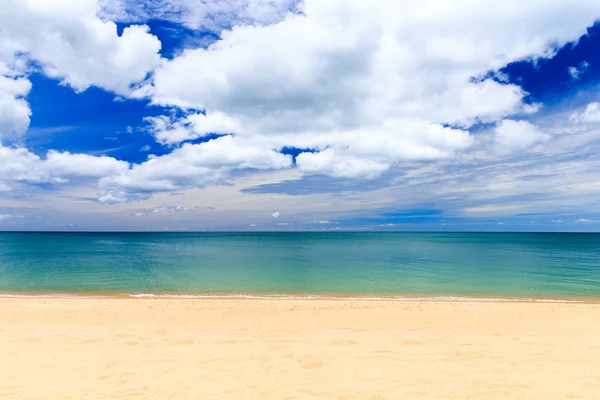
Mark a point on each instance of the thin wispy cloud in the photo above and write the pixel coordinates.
(587, 221)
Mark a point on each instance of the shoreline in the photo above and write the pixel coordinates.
(418, 297)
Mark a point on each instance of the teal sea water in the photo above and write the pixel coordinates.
(529, 265)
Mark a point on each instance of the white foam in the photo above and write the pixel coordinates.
(557, 301)
(224, 296)
(241, 296)
(469, 299)
(355, 298)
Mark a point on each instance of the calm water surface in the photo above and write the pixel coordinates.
(487, 264)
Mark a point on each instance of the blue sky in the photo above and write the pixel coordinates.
(289, 115)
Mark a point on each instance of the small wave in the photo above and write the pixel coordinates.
(469, 299)
(355, 298)
(110, 242)
(557, 301)
(240, 296)
(225, 296)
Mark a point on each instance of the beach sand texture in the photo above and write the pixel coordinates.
(297, 349)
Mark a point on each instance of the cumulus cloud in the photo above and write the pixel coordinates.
(14, 109)
(168, 130)
(67, 164)
(348, 54)
(72, 44)
(591, 114)
(114, 197)
(19, 164)
(69, 42)
(368, 153)
(208, 14)
(192, 165)
(358, 153)
(364, 86)
(511, 136)
(161, 209)
(333, 164)
(276, 215)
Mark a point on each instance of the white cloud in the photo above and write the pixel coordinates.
(511, 136)
(113, 197)
(375, 54)
(19, 164)
(67, 164)
(576, 72)
(361, 84)
(497, 209)
(200, 13)
(162, 209)
(364, 83)
(168, 130)
(556, 221)
(364, 153)
(194, 165)
(591, 114)
(72, 44)
(276, 215)
(4, 216)
(330, 163)
(14, 109)
(586, 221)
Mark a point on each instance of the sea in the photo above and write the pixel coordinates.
(369, 265)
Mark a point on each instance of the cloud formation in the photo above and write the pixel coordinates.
(343, 89)
(365, 87)
(19, 164)
(191, 165)
(511, 136)
(72, 44)
(591, 114)
(586, 221)
(196, 14)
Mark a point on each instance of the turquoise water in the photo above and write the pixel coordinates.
(388, 264)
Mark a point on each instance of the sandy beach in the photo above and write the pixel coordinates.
(296, 349)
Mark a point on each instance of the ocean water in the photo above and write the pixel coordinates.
(405, 265)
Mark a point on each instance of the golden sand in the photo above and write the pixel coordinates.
(297, 349)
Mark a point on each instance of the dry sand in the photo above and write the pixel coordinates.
(297, 349)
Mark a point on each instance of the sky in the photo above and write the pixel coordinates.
(338, 115)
